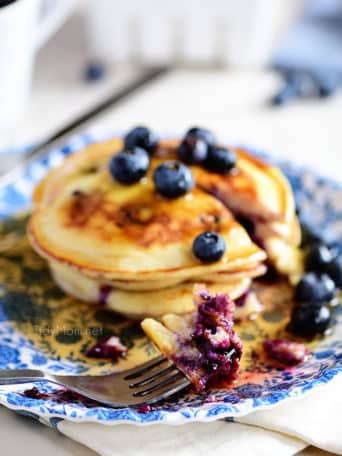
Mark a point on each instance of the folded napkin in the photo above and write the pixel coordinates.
(196, 439)
(283, 430)
(315, 419)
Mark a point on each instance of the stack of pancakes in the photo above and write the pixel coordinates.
(131, 249)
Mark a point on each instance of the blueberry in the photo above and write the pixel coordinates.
(317, 256)
(141, 137)
(173, 179)
(209, 246)
(193, 150)
(203, 134)
(334, 269)
(315, 287)
(220, 160)
(309, 319)
(129, 166)
(94, 72)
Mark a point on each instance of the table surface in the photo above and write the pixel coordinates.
(230, 103)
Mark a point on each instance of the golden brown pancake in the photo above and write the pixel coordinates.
(261, 194)
(84, 219)
(95, 232)
(143, 303)
(257, 191)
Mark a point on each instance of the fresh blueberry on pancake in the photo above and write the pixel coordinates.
(209, 246)
(315, 288)
(193, 150)
(334, 269)
(129, 166)
(202, 133)
(173, 179)
(220, 160)
(141, 137)
(309, 319)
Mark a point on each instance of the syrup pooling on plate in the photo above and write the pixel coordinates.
(60, 326)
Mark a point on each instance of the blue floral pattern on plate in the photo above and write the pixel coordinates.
(311, 191)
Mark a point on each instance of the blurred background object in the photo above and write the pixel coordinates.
(25, 26)
(310, 55)
(222, 55)
(206, 32)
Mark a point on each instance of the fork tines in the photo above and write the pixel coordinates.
(159, 378)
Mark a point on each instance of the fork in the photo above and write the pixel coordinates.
(145, 384)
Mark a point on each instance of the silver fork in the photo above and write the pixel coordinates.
(145, 384)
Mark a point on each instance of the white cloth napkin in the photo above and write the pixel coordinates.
(283, 431)
(196, 439)
(315, 419)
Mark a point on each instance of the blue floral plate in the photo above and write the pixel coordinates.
(40, 327)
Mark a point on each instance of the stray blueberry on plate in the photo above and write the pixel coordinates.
(129, 166)
(220, 160)
(309, 319)
(94, 71)
(209, 246)
(173, 179)
(315, 288)
(334, 269)
(141, 137)
(202, 133)
(193, 150)
(317, 256)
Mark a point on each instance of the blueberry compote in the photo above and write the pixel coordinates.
(110, 348)
(61, 396)
(212, 353)
(104, 292)
(286, 351)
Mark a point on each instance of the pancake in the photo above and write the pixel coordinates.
(203, 343)
(140, 304)
(130, 249)
(86, 220)
(257, 190)
(259, 194)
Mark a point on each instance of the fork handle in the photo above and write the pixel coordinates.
(15, 376)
